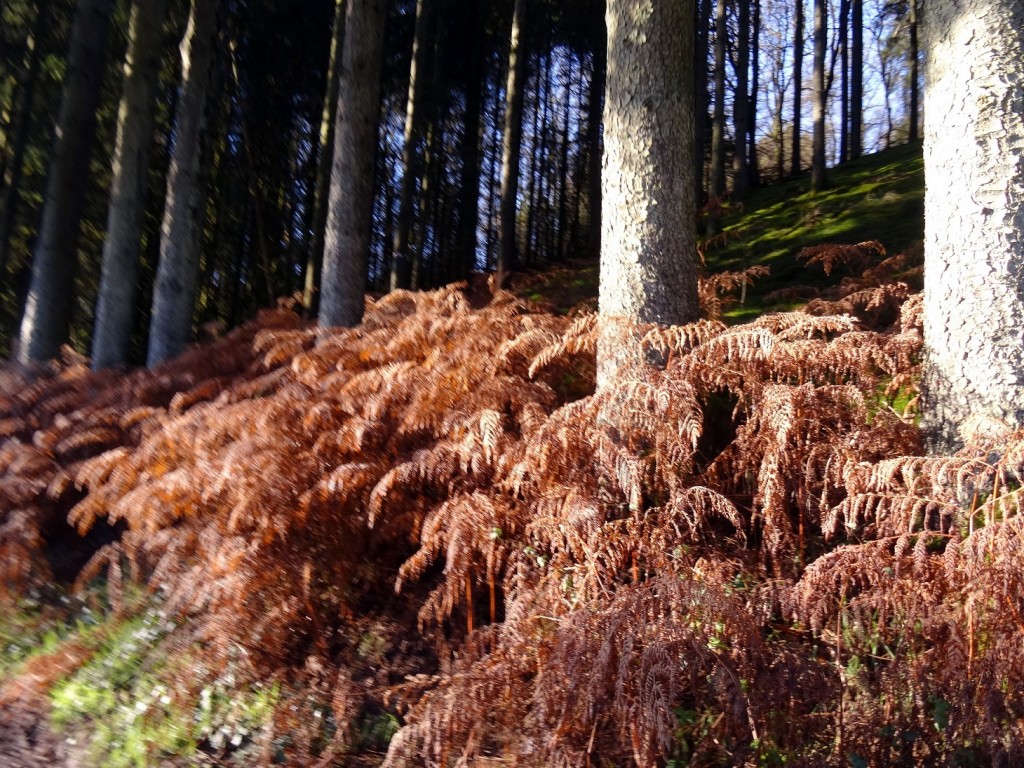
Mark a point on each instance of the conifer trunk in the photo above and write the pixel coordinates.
(44, 326)
(314, 265)
(512, 137)
(347, 245)
(974, 219)
(136, 118)
(648, 257)
(177, 275)
(469, 199)
(716, 183)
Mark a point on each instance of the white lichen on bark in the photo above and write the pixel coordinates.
(974, 270)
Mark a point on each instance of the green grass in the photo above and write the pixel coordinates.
(877, 197)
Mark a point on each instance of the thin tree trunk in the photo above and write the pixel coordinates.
(402, 262)
(716, 184)
(700, 70)
(314, 265)
(818, 175)
(21, 129)
(595, 108)
(914, 75)
(178, 272)
(559, 252)
(347, 247)
(48, 308)
(112, 335)
(753, 165)
(796, 163)
(469, 200)
(741, 103)
(857, 79)
(844, 82)
(512, 139)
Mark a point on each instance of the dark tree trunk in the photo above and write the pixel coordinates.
(469, 200)
(741, 102)
(753, 165)
(512, 139)
(716, 184)
(856, 79)
(914, 76)
(595, 109)
(700, 72)
(796, 163)
(44, 326)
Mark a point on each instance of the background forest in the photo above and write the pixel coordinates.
(438, 536)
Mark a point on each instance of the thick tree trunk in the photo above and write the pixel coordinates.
(315, 263)
(819, 179)
(741, 103)
(136, 117)
(48, 309)
(974, 219)
(402, 259)
(347, 248)
(512, 140)
(648, 256)
(796, 162)
(177, 275)
(856, 79)
(20, 131)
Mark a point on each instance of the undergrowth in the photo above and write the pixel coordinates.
(428, 541)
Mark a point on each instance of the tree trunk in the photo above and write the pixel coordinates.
(174, 293)
(20, 130)
(469, 199)
(796, 163)
(844, 82)
(347, 246)
(753, 164)
(857, 79)
(913, 75)
(700, 79)
(112, 335)
(314, 266)
(48, 308)
(818, 176)
(648, 255)
(402, 260)
(741, 103)
(512, 140)
(595, 108)
(716, 184)
(974, 254)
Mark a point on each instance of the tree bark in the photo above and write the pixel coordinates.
(753, 164)
(402, 259)
(20, 130)
(844, 81)
(741, 102)
(648, 255)
(48, 308)
(716, 183)
(796, 162)
(856, 79)
(315, 263)
(347, 246)
(469, 199)
(973, 381)
(914, 75)
(700, 78)
(512, 140)
(181, 233)
(819, 179)
(135, 121)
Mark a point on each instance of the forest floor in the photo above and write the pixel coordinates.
(425, 527)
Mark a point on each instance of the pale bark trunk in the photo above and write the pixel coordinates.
(48, 309)
(512, 140)
(20, 130)
(974, 224)
(136, 117)
(402, 260)
(350, 209)
(181, 232)
(796, 162)
(314, 266)
(648, 257)
(818, 176)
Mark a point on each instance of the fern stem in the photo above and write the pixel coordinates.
(469, 604)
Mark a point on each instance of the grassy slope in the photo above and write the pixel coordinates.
(877, 197)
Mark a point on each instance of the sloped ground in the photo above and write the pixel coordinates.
(428, 540)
